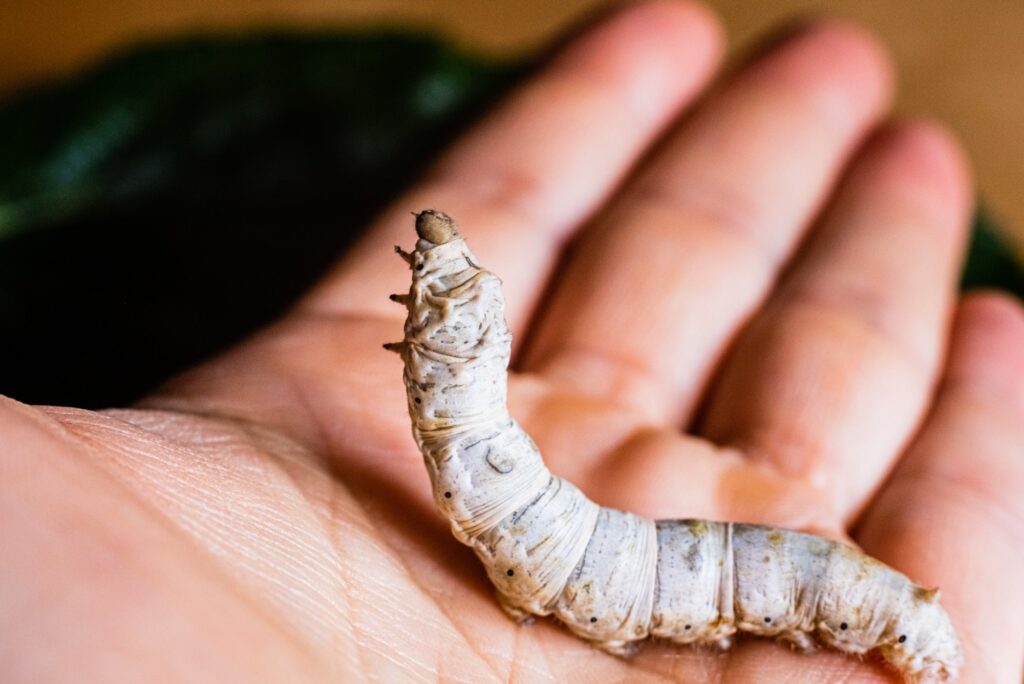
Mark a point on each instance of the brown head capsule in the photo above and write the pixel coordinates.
(435, 226)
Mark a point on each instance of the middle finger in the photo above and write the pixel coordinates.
(666, 276)
(830, 379)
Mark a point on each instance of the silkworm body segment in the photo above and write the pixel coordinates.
(612, 577)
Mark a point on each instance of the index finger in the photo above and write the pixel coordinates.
(525, 177)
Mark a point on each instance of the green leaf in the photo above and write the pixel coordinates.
(991, 261)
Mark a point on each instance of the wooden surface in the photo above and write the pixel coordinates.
(961, 62)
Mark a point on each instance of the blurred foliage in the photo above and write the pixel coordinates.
(161, 205)
(166, 202)
(991, 260)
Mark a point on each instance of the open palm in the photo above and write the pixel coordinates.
(776, 278)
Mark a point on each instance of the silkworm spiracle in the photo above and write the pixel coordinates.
(612, 577)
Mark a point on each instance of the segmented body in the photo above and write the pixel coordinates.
(613, 577)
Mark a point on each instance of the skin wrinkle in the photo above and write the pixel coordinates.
(971, 497)
(323, 440)
(654, 674)
(764, 439)
(444, 612)
(451, 621)
(702, 201)
(82, 442)
(407, 573)
(406, 569)
(255, 435)
(712, 660)
(174, 499)
(302, 491)
(185, 405)
(967, 391)
(546, 654)
(875, 323)
(514, 660)
(520, 669)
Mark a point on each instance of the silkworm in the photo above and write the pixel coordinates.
(612, 577)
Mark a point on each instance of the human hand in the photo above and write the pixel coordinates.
(267, 517)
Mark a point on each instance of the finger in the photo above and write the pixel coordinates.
(834, 374)
(952, 515)
(526, 176)
(666, 276)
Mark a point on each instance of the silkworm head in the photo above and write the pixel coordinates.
(435, 227)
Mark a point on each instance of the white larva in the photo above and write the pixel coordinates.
(612, 577)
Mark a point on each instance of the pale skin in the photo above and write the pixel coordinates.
(759, 324)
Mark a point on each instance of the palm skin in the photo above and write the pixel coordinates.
(266, 517)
